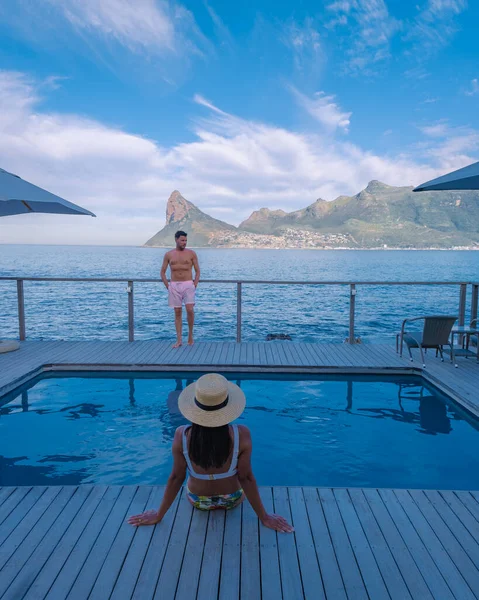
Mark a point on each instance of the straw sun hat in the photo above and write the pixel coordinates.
(212, 401)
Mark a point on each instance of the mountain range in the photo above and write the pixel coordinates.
(379, 216)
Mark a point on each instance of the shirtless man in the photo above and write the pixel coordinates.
(182, 287)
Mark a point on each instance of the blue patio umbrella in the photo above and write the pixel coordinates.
(17, 197)
(466, 178)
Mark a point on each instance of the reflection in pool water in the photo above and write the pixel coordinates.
(307, 430)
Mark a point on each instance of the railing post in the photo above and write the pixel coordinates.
(352, 309)
(21, 309)
(131, 320)
(238, 311)
(462, 309)
(474, 301)
(462, 304)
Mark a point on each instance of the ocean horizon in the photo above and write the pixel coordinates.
(84, 310)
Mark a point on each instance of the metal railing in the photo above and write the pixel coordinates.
(463, 288)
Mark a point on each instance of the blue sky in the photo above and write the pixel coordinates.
(113, 104)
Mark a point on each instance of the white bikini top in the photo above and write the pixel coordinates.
(234, 460)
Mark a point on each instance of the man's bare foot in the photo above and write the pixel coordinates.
(191, 341)
(177, 345)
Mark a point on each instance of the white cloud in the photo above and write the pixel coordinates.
(139, 24)
(474, 89)
(368, 28)
(233, 167)
(157, 39)
(304, 41)
(451, 147)
(439, 129)
(434, 26)
(324, 109)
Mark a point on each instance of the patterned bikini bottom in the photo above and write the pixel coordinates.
(224, 501)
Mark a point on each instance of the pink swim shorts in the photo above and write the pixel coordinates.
(180, 292)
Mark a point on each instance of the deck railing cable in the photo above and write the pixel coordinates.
(353, 285)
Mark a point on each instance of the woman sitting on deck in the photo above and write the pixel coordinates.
(216, 454)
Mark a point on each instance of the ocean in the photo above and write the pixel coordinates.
(81, 311)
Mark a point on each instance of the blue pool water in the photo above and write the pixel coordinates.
(307, 430)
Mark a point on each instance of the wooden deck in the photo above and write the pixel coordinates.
(33, 357)
(73, 543)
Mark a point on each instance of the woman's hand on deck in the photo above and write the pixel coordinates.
(149, 517)
(278, 523)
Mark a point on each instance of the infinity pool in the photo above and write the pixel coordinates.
(68, 428)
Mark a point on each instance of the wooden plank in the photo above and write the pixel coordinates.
(405, 562)
(364, 557)
(93, 564)
(236, 354)
(292, 352)
(191, 567)
(465, 529)
(125, 584)
(210, 352)
(319, 354)
(9, 546)
(331, 575)
(19, 512)
(230, 353)
(170, 571)
(219, 354)
(283, 358)
(305, 354)
(308, 561)
(5, 492)
(79, 554)
(250, 579)
(391, 575)
(12, 501)
(418, 548)
(262, 354)
(243, 353)
(351, 575)
(138, 357)
(110, 569)
(269, 556)
(231, 561)
(140, 353)
(470, 501)
(25, 577)
(460, 560)
(41, 582)
(277, 359)
(288, 554)
(270, 361)
(203, 353)
(26, 548)
(150, 570)
(211, 566)
(156, 350)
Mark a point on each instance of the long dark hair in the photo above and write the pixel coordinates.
(209, 446)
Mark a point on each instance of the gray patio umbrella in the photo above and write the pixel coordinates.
(17, 197)
(466, 178)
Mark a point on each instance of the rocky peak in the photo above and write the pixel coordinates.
(177, 208)
(376, 186)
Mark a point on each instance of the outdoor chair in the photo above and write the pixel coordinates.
(473, 338)
(435, 333)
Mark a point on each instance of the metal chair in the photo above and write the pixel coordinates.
(435, 334)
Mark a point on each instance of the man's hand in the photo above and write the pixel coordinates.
(150, 517)
(195, 283)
